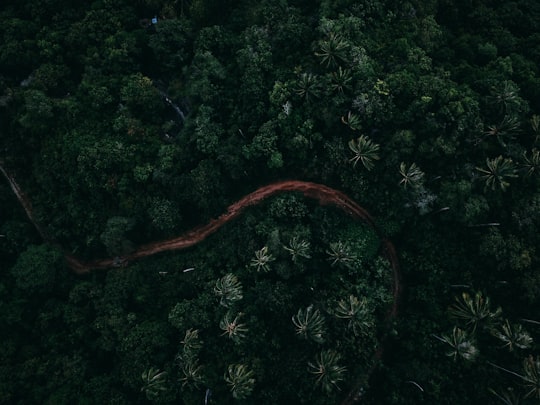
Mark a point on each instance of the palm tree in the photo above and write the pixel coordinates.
(326, 370)
(505, 96)
(332, 50)
(504, 131)
(191, 374)
(340, 254)
(513, 336)
(308, 86)
(190, 345)
(232, 328)
(410, 176)
(229, 289)
(474, 310)
(364, 150)
(298, 248)
(460, 343)
(309, 324)
(357, 312)
(153, 382)
(532, 163)
(262, 259)
(341, 80)
(352, 121)
(240, 378)
(498, 171)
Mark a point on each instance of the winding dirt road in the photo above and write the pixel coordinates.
(319, 192)
(323, 194)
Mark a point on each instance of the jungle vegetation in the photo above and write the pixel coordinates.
(127, 122)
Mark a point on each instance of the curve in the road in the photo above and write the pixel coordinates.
(319, 192)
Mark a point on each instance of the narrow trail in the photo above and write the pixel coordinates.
(320, 192)
(324, 194)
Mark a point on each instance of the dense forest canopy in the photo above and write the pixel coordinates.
(127, 122)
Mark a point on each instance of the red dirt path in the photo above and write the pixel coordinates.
(320, 192)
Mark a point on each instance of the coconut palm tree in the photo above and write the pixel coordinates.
(232, 328)
(410, 176)
(460, 343)
(512, 336)
(365, 151)
(498, 172)
(153, 382)
(240, 380)
(357, 312)
(474, 310)
(262, 259)
(340, 254)
(298, 248)
(228, 289)
(309, 324)
(326, 370)
(332, 50)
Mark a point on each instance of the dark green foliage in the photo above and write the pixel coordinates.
(170, 45)
(114, 236)
(124, 132)
(36, 269)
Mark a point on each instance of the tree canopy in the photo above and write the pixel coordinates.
(130, 122)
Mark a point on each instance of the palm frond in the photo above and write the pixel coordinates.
(356, 312)
(365, 151)
(262, 259)
(474, 310)
(512, 336)
(153, 382)
(309, 324)
(461, 345)
(499, 170)
(410, 175)
(326, 370)
(228, 289)
(232, 328)
(240, 380)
